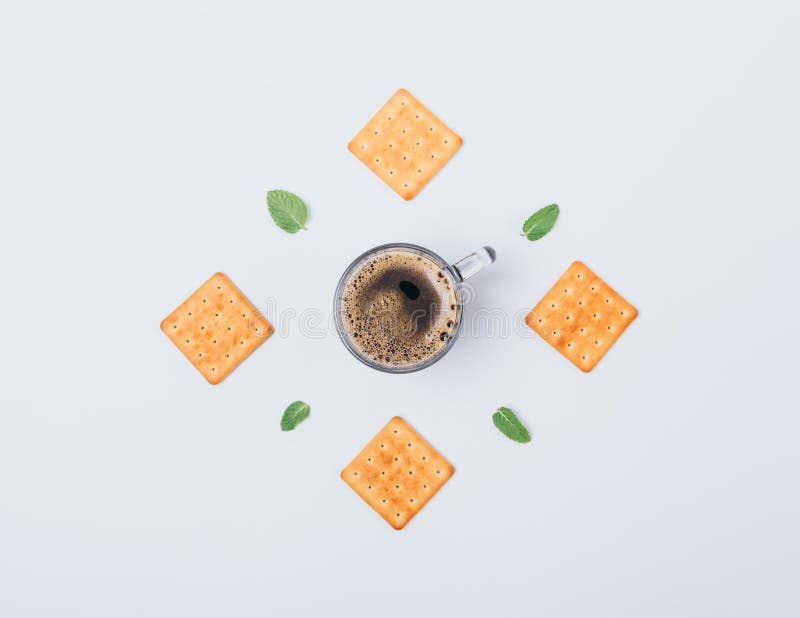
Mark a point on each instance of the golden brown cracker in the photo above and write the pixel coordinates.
(405, 144)
(397, 472)
(581, 316)
(216, 328)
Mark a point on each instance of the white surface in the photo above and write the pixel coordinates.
(138, 142)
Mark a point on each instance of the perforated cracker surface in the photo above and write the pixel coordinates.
(405, 144)
(216, 328)
(581, 316)
(397, 472)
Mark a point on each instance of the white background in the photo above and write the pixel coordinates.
(137, 143)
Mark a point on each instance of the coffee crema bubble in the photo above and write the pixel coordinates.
(399, 308)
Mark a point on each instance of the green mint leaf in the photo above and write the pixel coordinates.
(508, 423)
(294, 415)
(540, 222)
(287, 211)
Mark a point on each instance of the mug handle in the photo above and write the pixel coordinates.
(474, 262)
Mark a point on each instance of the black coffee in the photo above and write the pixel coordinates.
(399, 308)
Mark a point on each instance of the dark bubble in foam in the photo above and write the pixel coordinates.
(402, 311)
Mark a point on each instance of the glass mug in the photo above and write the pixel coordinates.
(398, 306)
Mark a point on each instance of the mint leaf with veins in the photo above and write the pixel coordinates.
(508, 423)
(287, 210)
(540, 222)
(295, 414)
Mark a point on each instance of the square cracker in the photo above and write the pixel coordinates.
(405, 144)
(397, 472)
(216, 328)
(581, 316)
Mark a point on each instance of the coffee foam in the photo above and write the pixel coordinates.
(399, 309)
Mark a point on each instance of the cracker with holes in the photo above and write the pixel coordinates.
(397, 472)
(216, 328)
(581, 316)
(405, 144)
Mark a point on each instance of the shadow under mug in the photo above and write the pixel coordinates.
(455, 274)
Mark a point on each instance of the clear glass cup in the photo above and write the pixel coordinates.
(454, 274)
